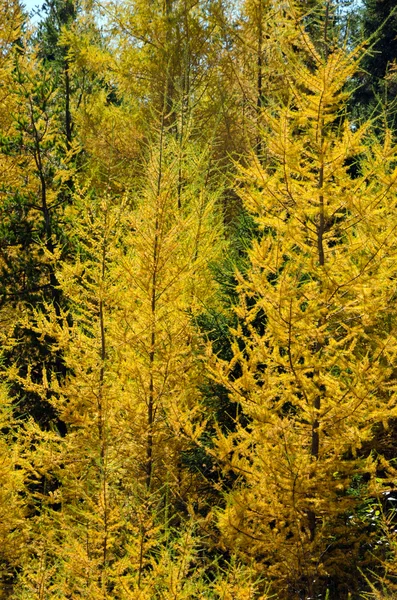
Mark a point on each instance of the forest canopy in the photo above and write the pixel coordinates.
(198, 300)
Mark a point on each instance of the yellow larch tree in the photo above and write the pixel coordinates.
(314, 352)
(133, 366)
(254, 71)
(72, 540)
(154, 58)
(174, 236)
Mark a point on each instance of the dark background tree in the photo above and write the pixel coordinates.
(376, 94)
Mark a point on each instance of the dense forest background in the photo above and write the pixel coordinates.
(198, 300)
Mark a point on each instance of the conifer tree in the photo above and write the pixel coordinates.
(254, 66)
(166, 62)
(133, 364)
(10, 30)
(376, 91)
(59, 14)
(126, 473)
(174, 238)
(38, 164)
(314, 351)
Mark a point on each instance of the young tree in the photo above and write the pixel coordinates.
(133, 365)
(174, 237)
(313, 360)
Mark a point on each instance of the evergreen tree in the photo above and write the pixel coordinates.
(375, 91)
(59, 14)
(33, 193)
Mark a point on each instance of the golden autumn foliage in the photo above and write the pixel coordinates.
(173, 427)
(314, 352)
(133, 366)
(13, 523)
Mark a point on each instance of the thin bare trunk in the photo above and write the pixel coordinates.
(102, 410)
(153, 307)
(259, 83)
